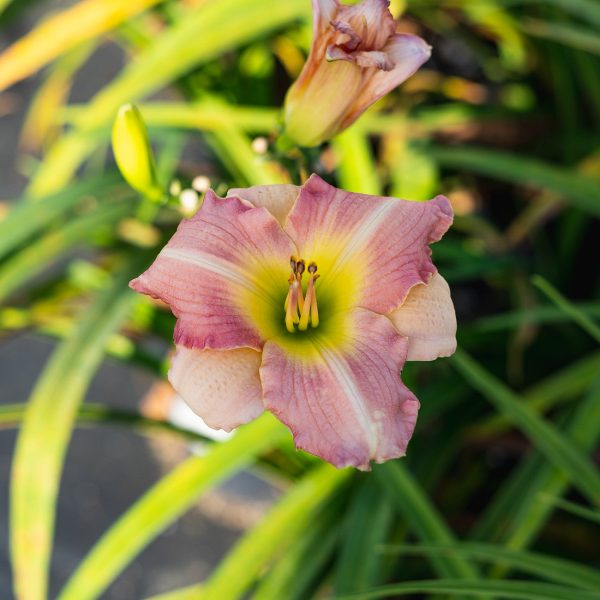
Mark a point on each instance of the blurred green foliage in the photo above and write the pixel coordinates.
(499, 493)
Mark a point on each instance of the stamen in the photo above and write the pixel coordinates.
(287, 298)
(304, 317)
(314, 309)
(300, 309)
(299, 271)
(291, 313)
(310, 310)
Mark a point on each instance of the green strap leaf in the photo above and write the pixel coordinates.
(282, 525)
(422, 517)
(201, 35)
(553, 569)
(27, 218)
(558, 450)
(46, 430)
(567, 307)
(366, 525)
(162, 504)
(517, 512)
(581, 191)
(519, 590)
(357, 171)
(35, 257)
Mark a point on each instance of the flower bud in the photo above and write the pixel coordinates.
(133, 153)
(356, 57)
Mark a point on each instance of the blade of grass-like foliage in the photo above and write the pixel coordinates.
(201, 115)
(165, 502)
(26, 218)
(296, 572)
(40, 126)
(212, 28)
(89, 415)
(429, 119)
(567, 307)
(579, 190)
(520, 590)
(356, 170)
(63, 31)
(533, 316)
(516, 513)
(190, 592)
(503, 28)
(584, 9)
(553, 444)
(541, 397)
(535, 479)
(553, 569)
(366, 526)
(569, 35)
(37, 256)
(588, 10)
(4, 4)
(46, 430)
(291, 576)
(463, 264)
(575, 509)
(282, 525)
(234, 149)
(421, 517)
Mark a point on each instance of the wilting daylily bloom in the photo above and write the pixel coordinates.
(356, 57)
(306, 301)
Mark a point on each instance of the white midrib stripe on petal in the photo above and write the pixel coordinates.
(211, 263)
(365, 230)
(348, 384)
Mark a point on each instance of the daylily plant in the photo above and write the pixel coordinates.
(306, 301)
(356, 57)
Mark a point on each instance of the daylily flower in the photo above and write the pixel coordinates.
(306, 301)
(356, 57)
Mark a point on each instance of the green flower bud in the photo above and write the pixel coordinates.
(133, 153)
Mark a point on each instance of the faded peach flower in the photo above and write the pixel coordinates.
(356, 57)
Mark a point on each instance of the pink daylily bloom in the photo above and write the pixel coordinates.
(356, 57)
(306, 301)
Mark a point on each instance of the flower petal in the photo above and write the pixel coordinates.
(373, 58)
(278, 199)
(406, 53)
(324, 12)
(370, 250)
(428, 320)
(345, 403)
(371, 20)
(221, 269)
(221, 386)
